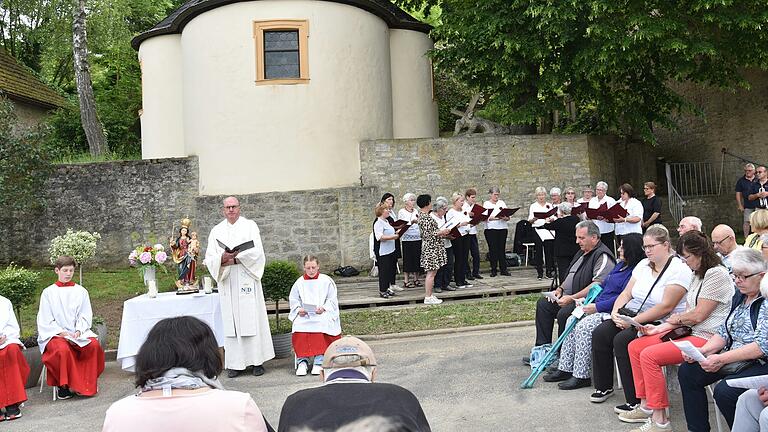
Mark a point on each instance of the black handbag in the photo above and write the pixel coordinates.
(624, 310)
(346, 271)
(736, 367)
(677, 333)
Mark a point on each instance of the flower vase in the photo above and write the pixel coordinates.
(149, 274)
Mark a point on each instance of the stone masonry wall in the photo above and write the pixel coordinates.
(140, 202)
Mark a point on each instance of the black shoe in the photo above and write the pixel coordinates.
(390, 293)
(493, 274)
(64, 393)
(477, 276)
(258, 370)
(470, 277)
(624, 408)
(12, 412)
(600, 396)
(557, 375)
(384, 294)
(527, 361)
(573, 383)
(233, 373)
(505, 273)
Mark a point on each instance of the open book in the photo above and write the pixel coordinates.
(81, 341)
(239, 248)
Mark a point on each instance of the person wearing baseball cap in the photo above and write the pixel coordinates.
(349, 393)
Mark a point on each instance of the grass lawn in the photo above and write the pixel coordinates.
(108, 290)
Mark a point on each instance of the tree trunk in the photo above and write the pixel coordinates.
(94, 131)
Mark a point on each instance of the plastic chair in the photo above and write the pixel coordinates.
(527, 251)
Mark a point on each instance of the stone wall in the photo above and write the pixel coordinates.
(140, 202)
(736, 120)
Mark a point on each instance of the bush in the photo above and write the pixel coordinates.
(80, 245)
(18, 285)
(277, 281)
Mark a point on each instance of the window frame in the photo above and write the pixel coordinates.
(302, 26)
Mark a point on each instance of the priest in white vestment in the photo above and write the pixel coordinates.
(238, 273)
(315, 316)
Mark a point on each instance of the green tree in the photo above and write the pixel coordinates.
(615, 61)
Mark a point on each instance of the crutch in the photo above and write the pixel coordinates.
(577, 313)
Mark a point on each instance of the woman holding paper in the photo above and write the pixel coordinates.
(733, 351)
(315, 316)
(496, 229)
(544, 239)
(709, 300)
(460, 245)
(656, 289)
(432, 249)
(386, 236)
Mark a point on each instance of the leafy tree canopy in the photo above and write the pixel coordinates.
(616, 61)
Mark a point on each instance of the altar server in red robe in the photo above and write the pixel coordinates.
(70, 349)
(13, 367)
(315, 315)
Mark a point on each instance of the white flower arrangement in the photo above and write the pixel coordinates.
(80, 245)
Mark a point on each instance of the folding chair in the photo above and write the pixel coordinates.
(43, 374)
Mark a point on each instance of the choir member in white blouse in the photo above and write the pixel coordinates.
(496, 230)
(71, 353)
(315, 316)
(606, 226)
(460, 244)
(632, 223)
(14, 369)
(473, 272)
(544, 241)
(411, 242)
(586, 195)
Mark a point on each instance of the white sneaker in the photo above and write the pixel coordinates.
(316, 369)
(301, 369)
(396, 288)
(432, 300)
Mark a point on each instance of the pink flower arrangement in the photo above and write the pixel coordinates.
(148, 256)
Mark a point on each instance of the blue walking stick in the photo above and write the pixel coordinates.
(577, 314)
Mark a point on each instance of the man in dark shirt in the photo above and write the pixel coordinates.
(743, 189)
(651, 206)
(350, 394)
(759, 192)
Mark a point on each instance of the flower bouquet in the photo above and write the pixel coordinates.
(148, 259)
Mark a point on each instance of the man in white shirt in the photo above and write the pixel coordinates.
(235, 258)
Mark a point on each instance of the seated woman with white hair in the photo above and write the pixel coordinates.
(735, 351)
(751, 415)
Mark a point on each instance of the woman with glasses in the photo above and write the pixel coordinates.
(709, 300)
(733, 351)
(655, 291)
(651, 206)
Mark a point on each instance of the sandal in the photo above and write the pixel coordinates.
(409, 285)
(418, 283)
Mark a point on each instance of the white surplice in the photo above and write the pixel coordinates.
(63, 309)
(247, 340)
(9, 327)
(315, 292)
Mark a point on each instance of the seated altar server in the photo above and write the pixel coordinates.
(13, 367)
(315, 316)
(71, 352)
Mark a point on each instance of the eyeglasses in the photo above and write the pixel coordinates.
(651, 246)
(570, 193)
(742, 278)
(232, 207)
(720, 242)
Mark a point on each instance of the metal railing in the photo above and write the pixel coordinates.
(675, 201)
(694, 179)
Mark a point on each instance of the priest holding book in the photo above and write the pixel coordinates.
(235, 258)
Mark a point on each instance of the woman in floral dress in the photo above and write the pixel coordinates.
(432, 250)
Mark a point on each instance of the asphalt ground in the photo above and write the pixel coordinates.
(465, 380)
